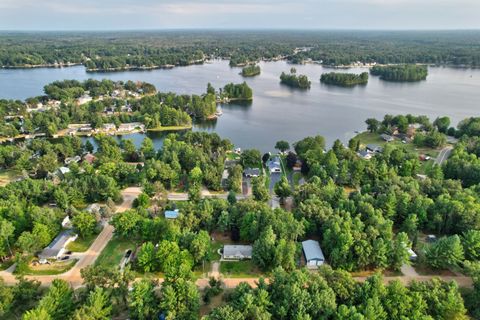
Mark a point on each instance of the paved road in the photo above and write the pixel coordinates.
(73, 276)
(443, 155)
(182, 196)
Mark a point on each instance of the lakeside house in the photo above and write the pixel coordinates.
(90, 158)
(374, 148)
(386, 137)
(172, 214)
(251, 172)
(237, 252)
(365, 154)
(132, 126)
(84, 99)
(109, 127)
(313, 254)
(274, 165)
(57, 247)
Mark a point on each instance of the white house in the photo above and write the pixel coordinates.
(58, 246)
(274, 165)
(84, 99)
(126, 127)
(313, 254)
(237, 252)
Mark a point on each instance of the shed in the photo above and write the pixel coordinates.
(237, 252)
(313, 254)
(172, 214)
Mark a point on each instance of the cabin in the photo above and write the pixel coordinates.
(57, 247)
(237, 252)
(251, 172)
(172, 214)
(313, 254)
(374, 148)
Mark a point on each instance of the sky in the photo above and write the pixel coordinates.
(239, 14)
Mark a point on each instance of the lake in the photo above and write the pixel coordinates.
(278, 112)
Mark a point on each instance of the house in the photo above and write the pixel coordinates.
(93, 208)
(75, 159)
(126, 127)
(412, 255)
(237, 252)
(251, 172)
(62, 171)
(274, 165)
(84, 99)
(364, 154)
(238, 150)
(66, 222)
(313, 254)
(85, 128)
(90, 158)
(374, 148)
(387, 137)
(109, 127)
(57, 248)
(411, 131)
(171, 214)
(224, 180)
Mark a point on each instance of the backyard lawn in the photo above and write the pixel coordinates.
(112, 255)
(50, 269)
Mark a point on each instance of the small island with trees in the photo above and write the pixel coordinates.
(295, 81)
(344, 79)
(236, 92)
(251, 71)
(401, 73)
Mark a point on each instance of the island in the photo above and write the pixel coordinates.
(251, 71)
(236, 92)
(295, 81)
(344, 79)
(401, 73)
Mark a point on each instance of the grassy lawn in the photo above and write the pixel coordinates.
(239, 269)
(170, 128)
(52, 269)
(81, 244)
(7, 176)
(114, 251)
(232, 156)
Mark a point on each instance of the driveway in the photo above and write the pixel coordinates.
(443, 155)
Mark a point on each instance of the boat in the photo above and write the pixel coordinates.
(219, 112)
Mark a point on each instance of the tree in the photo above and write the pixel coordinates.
(442, 124)
(37, 314)
(200, 246)
(471, 245)
(6, 298)
(283, 189)
(446, 252)
(98, 307)
(250, 158)
(399, 252)
(58, 302)
(142, 201)
(263, 252)
(142, 302)
(282, 145)
(6, 233)
(126, 223)
(372, 125)
(146, 257)
(259, 190)
(85, 224)
(180, 299)
(147, 148)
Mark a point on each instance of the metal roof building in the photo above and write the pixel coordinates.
(313, 253)
(172, 214)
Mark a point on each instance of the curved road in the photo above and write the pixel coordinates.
(443, 155)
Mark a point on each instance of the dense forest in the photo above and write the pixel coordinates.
(401, 73)
(344, 79)
(143, 50)
(295, 81)
(251, 71)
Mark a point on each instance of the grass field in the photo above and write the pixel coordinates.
(114, 251)
(81, 244)
(7, 176)
(50, 270)
(239, 269)
(170, 128)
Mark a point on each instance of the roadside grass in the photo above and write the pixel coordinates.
(239, 269)
(82, 244)
(112, 255)
(51, 270)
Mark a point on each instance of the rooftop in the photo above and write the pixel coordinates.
(171, 214)
(312, 250)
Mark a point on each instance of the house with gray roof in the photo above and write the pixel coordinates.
(251, 172)
(57, 247)
(313, 254)
(237, 252)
